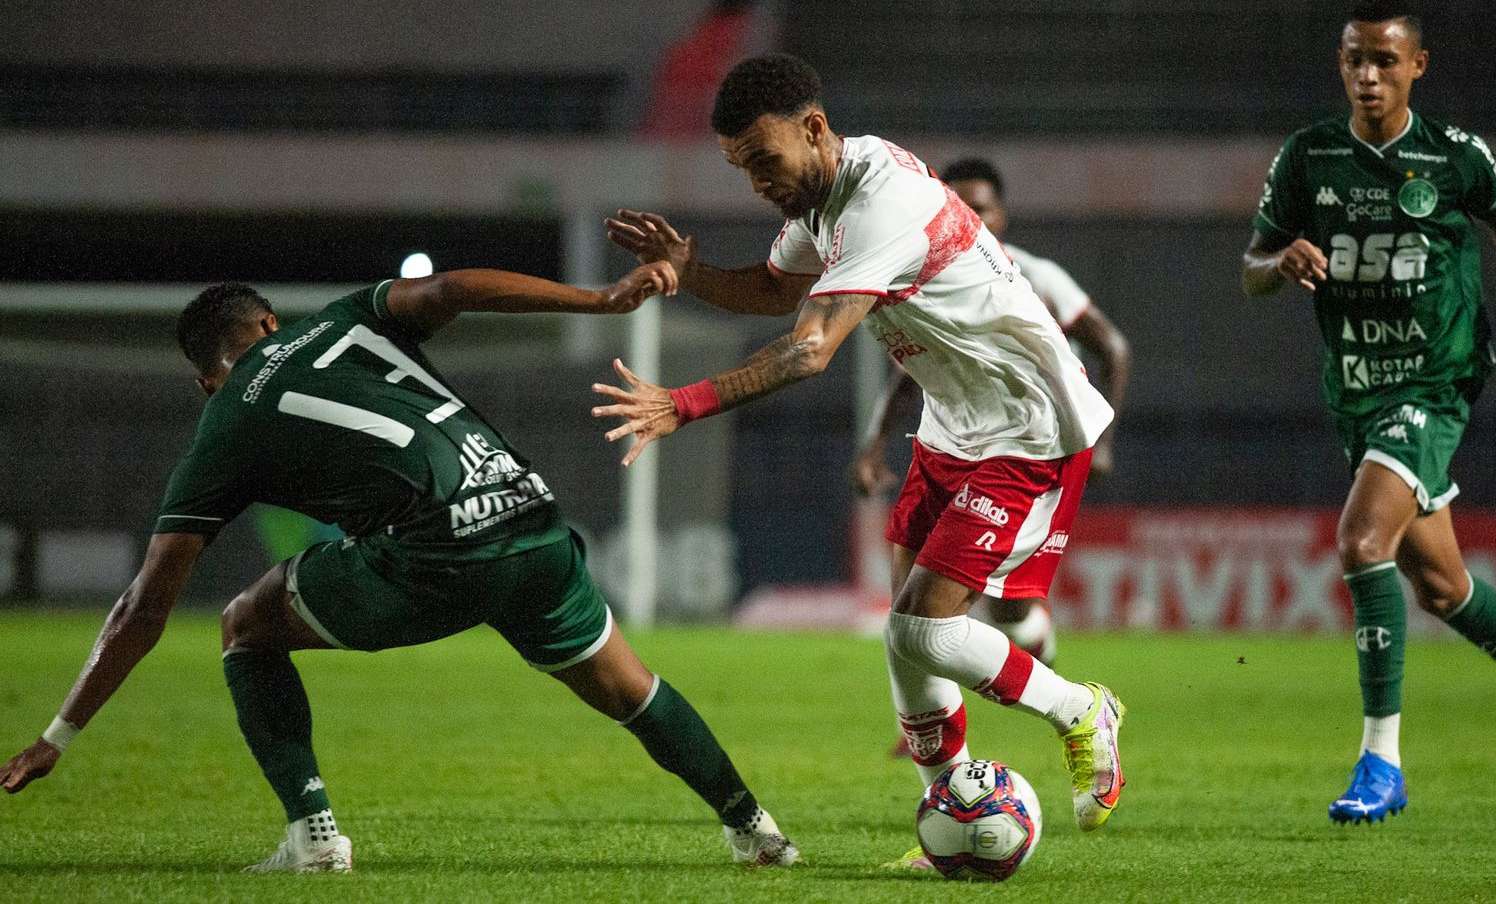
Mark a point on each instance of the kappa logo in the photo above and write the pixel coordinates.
(314, 785)
(1373, 637)
(980, 506)
(1327, 197)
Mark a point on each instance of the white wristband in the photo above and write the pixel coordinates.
(60, 733)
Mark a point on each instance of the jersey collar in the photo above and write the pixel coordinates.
(1380, 151)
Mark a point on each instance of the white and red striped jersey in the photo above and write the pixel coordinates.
(999, 379)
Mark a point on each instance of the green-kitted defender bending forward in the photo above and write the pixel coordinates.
(341, 417)
(1374, 216)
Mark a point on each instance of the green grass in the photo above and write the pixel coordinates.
(462, 775)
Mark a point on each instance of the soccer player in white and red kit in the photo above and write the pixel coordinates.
(871, 236)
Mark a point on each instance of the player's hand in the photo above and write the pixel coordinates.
(1304, 264)
(647, 410)
(28, 766)
(628, 293)
(650, 238)
(870, 471)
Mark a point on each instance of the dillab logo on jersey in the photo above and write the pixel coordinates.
(1418, 198)
(1327, 197)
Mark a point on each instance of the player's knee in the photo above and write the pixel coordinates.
(1360, 546)
(918, 641)
(240, 625)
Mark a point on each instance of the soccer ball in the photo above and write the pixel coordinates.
(978, 820)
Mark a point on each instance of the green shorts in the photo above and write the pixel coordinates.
(1415, 438)
(371, 594)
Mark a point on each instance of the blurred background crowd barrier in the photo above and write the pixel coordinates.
(150, 148)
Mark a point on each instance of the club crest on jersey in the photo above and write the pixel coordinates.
(1418, 198)
(980, 505)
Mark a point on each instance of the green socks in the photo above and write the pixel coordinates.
(276, 720)
(1381, 635)
(1476, 618)
(680, 742)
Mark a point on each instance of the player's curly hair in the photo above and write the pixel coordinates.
(776, 83)
(208, 320)
(1383, 10)
(973, 168)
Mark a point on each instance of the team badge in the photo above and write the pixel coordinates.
(1418, 198)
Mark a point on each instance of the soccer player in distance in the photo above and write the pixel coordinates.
(1374, 215)
(978, 183)
(340, 416)
(874, 237)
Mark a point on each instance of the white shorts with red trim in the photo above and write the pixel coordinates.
(998, 526)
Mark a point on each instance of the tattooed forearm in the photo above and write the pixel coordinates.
(824, 322)
(784, 361)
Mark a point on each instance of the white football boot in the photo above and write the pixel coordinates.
(760, 843)
(298, 853)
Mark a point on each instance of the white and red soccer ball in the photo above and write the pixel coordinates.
(978, 820)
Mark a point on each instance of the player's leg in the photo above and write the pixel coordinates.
(1380, 508)
(1430, 559)
(1026, 622)
(1000, 535)
(557, 619)
(930, 711)
(260, 629)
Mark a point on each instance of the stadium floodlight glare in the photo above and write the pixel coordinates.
(416, 266)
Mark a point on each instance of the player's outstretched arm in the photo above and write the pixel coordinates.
(870, 471)
(132, 629)
(433, 301)
(650, 412)
(1097, 334)
(1269, 262)
(757, 289)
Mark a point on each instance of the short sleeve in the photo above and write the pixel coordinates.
(371, 307)
(209, 487)
(1281, 210)
(872, 251)
(794, 251)
(1480, 197)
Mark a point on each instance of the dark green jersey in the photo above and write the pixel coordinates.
(1401, 311)
(341, 417)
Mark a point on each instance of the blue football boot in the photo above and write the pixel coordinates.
(1376, 789)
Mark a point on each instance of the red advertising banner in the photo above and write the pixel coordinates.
(1162, 569)
(1222, 569)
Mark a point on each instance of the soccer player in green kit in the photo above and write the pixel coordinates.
(341, 417)
(1374, 216)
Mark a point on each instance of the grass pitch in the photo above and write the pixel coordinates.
(462, 775)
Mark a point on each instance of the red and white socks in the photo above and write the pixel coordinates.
(930, 659)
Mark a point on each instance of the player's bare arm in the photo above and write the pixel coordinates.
(755, 289)
(900, 399)
(1268, 264)
(651, 412)
(1097, 334)
(130, 632)
(433, 301)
